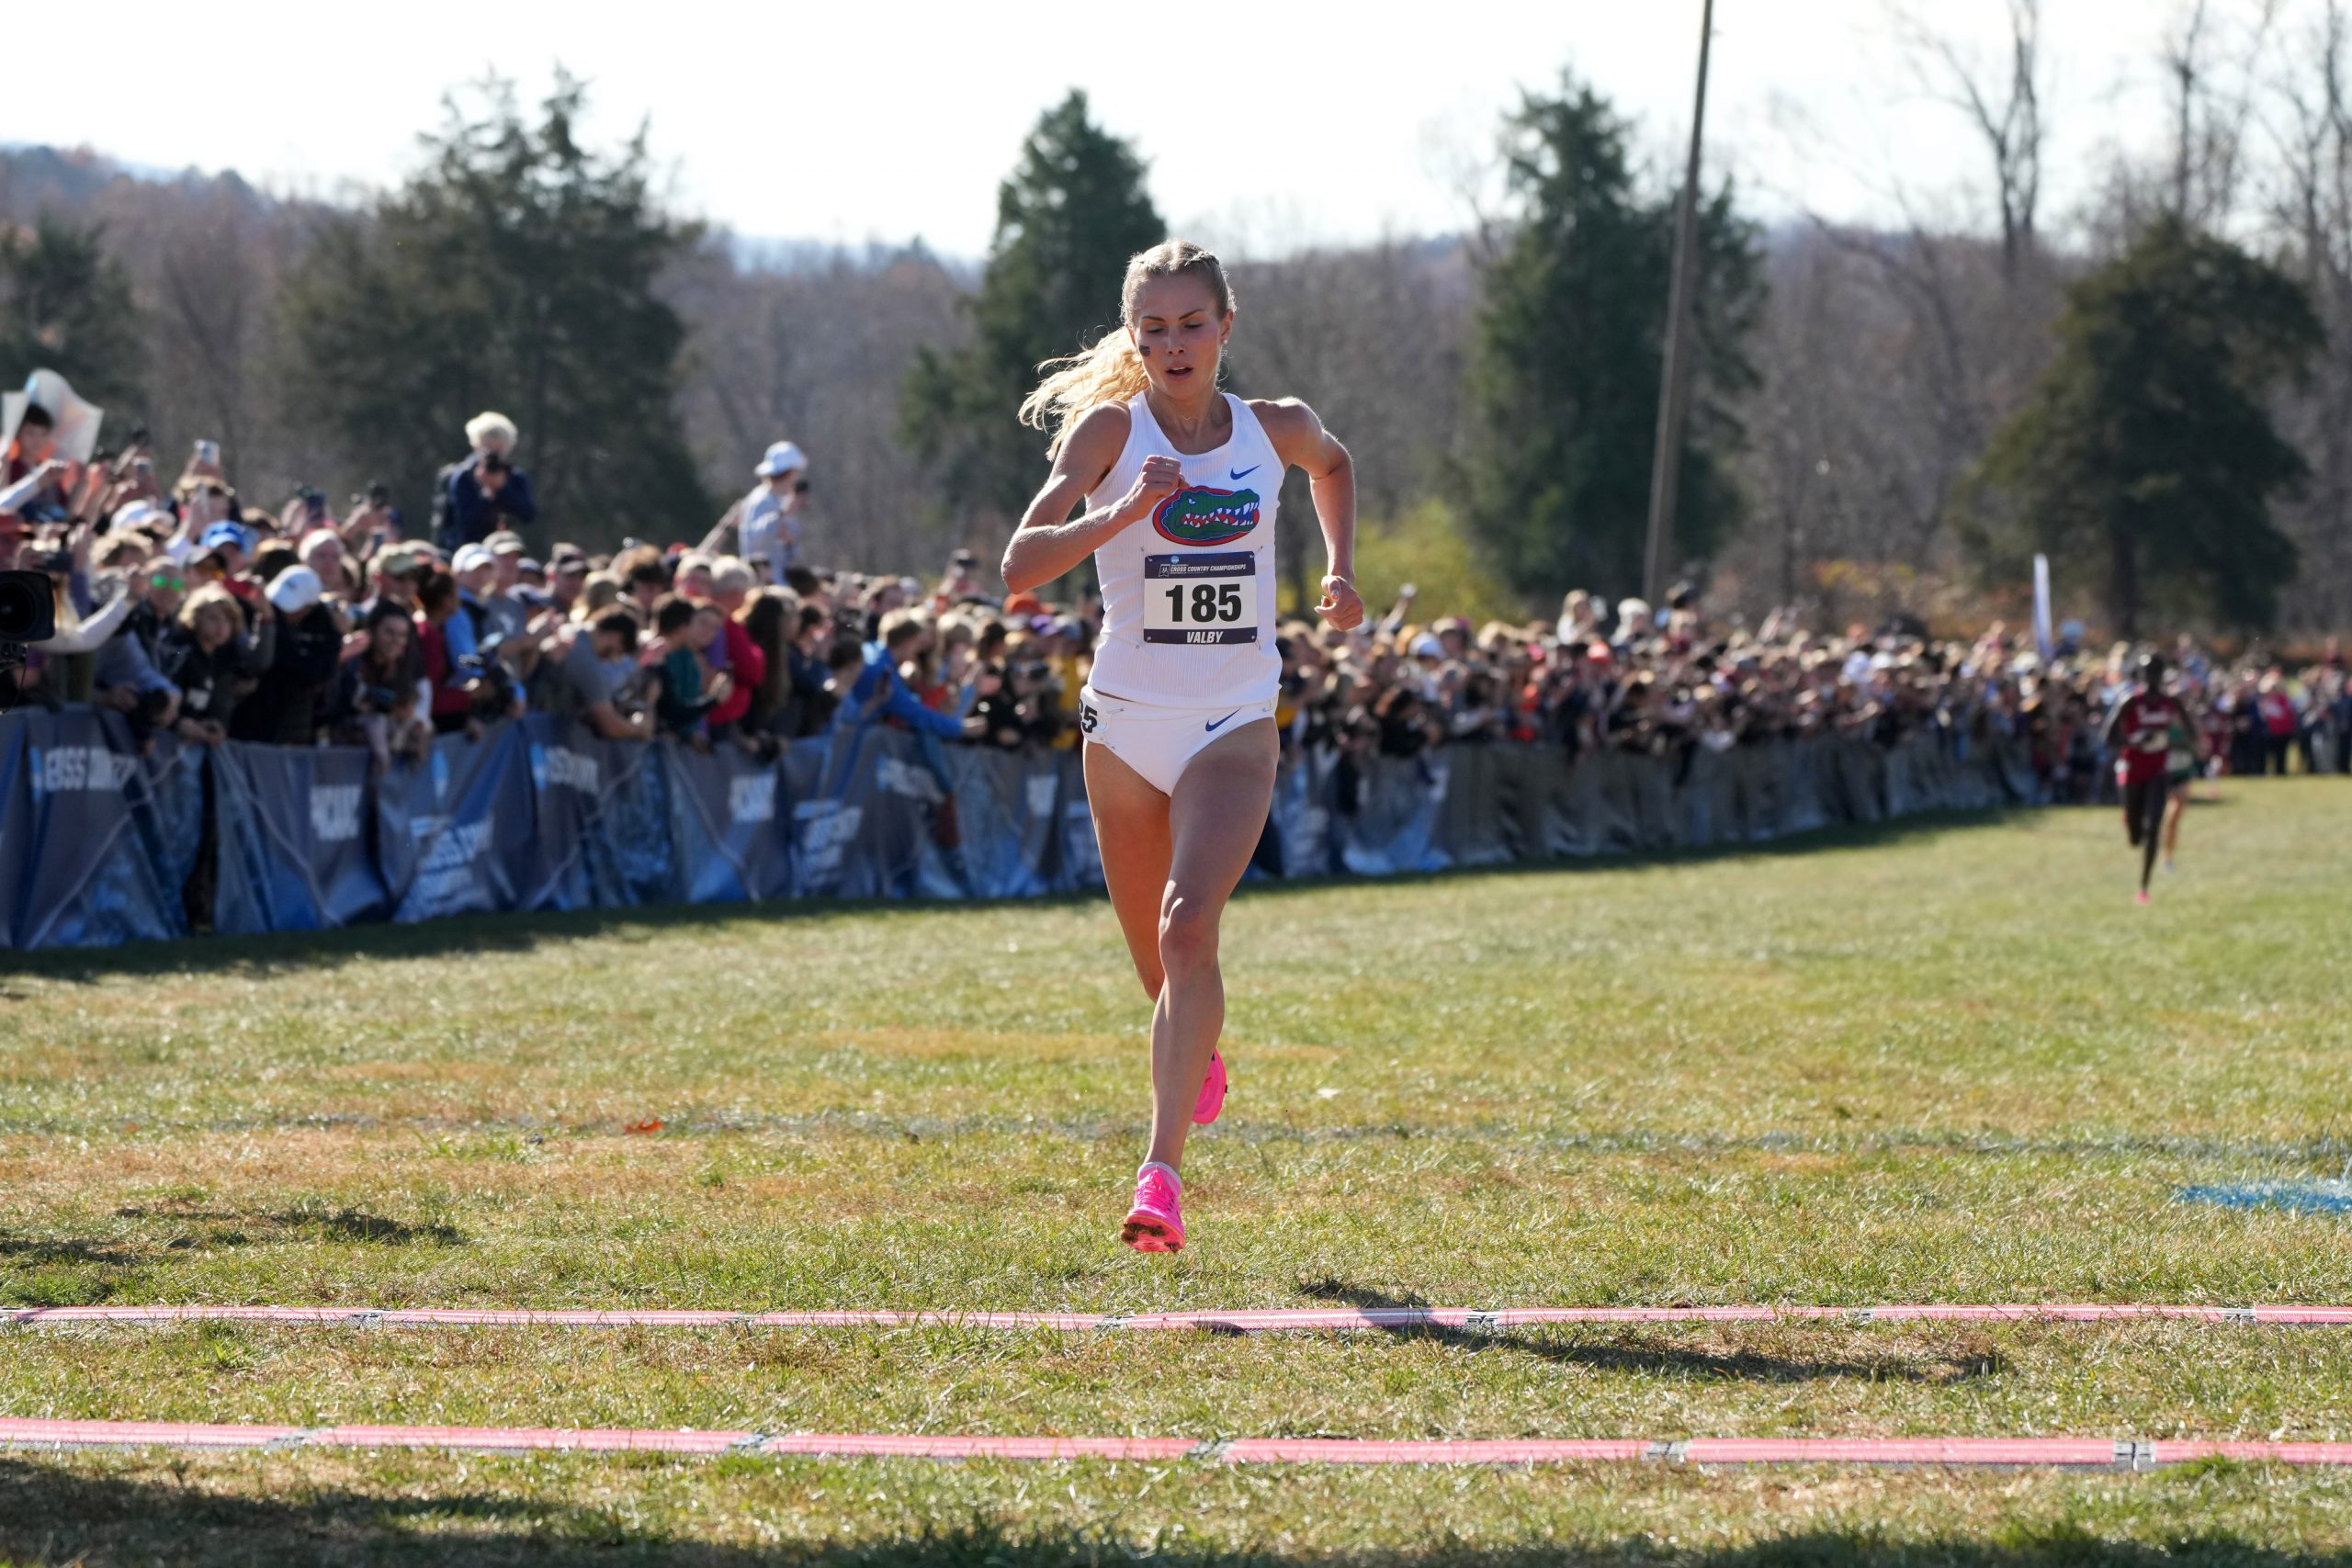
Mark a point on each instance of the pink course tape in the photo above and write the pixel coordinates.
(1271, 1320)
(2070, 1452)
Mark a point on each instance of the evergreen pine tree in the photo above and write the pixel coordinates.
(1565, 372)
(1067, 219)
(516, 271)
(2145, 459)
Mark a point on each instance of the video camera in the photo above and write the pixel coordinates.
(28, 615)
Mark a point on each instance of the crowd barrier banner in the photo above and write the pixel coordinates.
(453, 831)
(1008, 809)
(730, 823)
(102, 843)
(293, 840)
(96, 839)
(602, 834)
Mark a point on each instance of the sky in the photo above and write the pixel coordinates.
(1267, 126)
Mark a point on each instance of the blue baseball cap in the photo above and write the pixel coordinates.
(222, 534)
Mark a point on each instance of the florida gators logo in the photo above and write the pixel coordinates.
(1199, 515)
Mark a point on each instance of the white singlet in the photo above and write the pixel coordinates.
(1188, 593)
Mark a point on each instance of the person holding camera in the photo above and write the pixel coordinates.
(767, 521)
(476, 497)
(466, 690)
(378, 692)
(289, 701)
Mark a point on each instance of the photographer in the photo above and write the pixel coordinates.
(62, 668)
(766, 522)
(476, 497)
(1036, 702)
(288, 705)
(377, 692)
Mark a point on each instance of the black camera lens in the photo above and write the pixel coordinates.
(27, 608)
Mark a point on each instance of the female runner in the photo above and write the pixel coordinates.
(1180, 482)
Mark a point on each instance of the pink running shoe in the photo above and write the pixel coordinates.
(1155, 1223)
(2142, 897)
(1212, 1101)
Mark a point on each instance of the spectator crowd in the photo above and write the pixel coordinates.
(191, 611)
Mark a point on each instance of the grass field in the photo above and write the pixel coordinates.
(1942, 1061)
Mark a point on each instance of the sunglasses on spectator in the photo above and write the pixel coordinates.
(164, 579)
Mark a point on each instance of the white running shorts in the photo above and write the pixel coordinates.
(1158, 742)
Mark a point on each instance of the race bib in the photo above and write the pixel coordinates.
(1200, 599)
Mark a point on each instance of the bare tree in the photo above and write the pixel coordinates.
(2005, 110)
(2214, 76)
(2307, 209)
(818, 355)
(1375, 339)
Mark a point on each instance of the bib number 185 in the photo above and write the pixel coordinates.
(1200, 599)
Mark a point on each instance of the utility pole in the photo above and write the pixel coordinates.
(1674, 394)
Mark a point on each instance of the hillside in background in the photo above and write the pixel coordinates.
(1885, 362)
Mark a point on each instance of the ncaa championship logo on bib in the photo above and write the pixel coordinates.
(1196, 514)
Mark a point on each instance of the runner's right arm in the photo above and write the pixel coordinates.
(1049, 543)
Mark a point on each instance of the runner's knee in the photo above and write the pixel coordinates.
(1187, 933)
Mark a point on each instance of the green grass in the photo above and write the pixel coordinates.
(1943, 1061)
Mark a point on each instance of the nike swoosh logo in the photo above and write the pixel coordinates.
(1234, 474)
(1213, 728)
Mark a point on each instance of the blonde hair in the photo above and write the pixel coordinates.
(1111, 371)
(489, 423)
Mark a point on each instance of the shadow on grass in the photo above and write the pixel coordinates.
(51, 1515)
(284, 952)
(1747, 1366)
(332, 1224)
(51, 1271)
(31, 1251)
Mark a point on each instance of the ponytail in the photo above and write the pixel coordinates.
(1111, 371)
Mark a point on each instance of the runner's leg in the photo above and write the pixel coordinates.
(1213, 820)
(2149, 803)
(1131, 832)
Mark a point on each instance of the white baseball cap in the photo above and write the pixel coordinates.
(468, 557)
(782, 458)
(296, 588)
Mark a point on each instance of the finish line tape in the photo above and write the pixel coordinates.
(1273, 1320)
(2006, 1452)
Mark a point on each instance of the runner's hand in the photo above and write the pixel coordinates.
(1160, 477)
(1339, 605)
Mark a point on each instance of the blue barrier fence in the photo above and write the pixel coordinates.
(98, 843)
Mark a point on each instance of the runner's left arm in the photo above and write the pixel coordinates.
(1302, 443)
